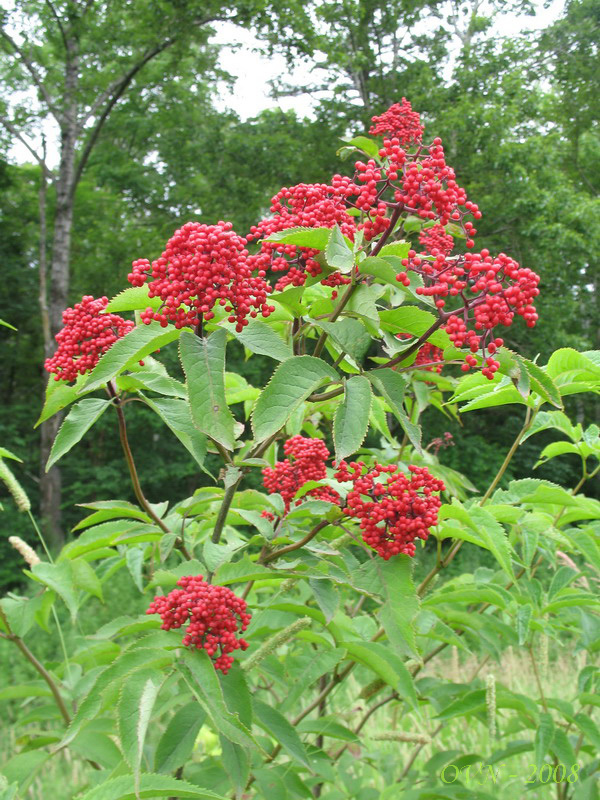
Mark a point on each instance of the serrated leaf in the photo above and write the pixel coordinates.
(349, 335)
(541, 382)
(204, 365)
(401, 604)
(134, 298)
(315, 238)
(292, 383)
(351, 421)
(125, 663)
(177, 416)
(58, 577)
(326, 595)
(176, 744)
(76, 424)
(303, 672)
(141, 341)
(327, 726)
(387, 665)
(150, 787)
(199, 674)
(495, 538)
(85, 578)
(392, 386)
(134, 710)
(337, 252)
(260, 338)
(275, 724)
(410, 319)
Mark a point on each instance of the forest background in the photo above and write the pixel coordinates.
(518, 115)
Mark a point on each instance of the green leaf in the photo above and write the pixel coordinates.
(155, 382)
(589, 729)
(543, 738)
(7, 325)
(177, 417)
(326, 595)
(378, 268)
(387, 665)
(327, 726)
(260, 338)
(60, 578)
(401, 604)
(134, 298)
(315, 238)
(136, 701)
(277, 726)
(176, 744)
(368, 146)
(495, 538)
(292, 383)
(410, 319)
(131, 348)
(468, 703)
(304, 672)
(392, 386)
(236, 763)
(363, 304)
(349, 336)
(85, 578)
(204, 365)
(78, 421)
(566, 363)
(199, 674)
(337, 252)
(351, 421)
(523, 619)
(541, 383)
(127, 662)
(151, 787)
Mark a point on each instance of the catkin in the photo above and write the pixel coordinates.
(275, 641)
(402, 736)
(28, 553)
(490, 699)
(14, 487)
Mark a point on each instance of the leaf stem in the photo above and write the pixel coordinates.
(224, 510)
(529, 417)
(137, 487)
(295, 545)
(38, 666)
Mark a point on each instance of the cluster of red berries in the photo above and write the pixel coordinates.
(213, 614)
(498, 287)
(395, 511)
(203, 265)
(304, 205)
(305, 462)
(399, 121)
(428, 355)
(87, 334)
(436, 241)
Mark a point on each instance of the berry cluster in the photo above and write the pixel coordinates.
(305, 462)
(213, 615)
(203, 265)
(399, 508)
(428, 355)
(436, 241)
(305, 205)
(490, 292)
(87, 334)
(399, 121)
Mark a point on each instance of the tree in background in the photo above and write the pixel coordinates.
(67, 65)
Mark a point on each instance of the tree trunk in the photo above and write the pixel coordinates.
(50, 482)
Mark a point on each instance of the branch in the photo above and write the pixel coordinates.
(30, 67)
(111, 96)
(11, 128)
(296, 545)
(59, 23)
(38, 666)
